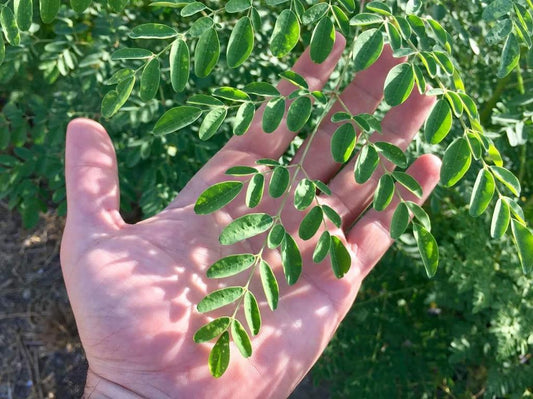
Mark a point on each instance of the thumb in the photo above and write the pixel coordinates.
(91, 178)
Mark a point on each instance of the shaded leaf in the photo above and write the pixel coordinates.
(392, 153)
(24, 11)
(241, 43)
(279, 181)
(48, 10)
(212, 122)
(216, 196)
(524, 243)
(273, 114)
(455, 162)
(241, 171)
(243, 118)
(428, 249)
(270, 285)
(332, 215)
(314, 13)
(176, 118)
(399, 84)
(251, 312)
(295, 78)
(510, 56)
(304, 194)
(482, 192)
(408, 182)
(179, 65)
(343, 143)
(153, 31)
(384, 192)
(211, 330)
(131, 54)
(9, 26)
(254, 193)
(322, 247)
(310, 223)
(322, 40)
(400, 220)
(261, 89)
(285, 34)
(291, 259)
(366, 164)
(298, 113)
(206, 53)
(340, 257)
(150, 80)
(367, 49)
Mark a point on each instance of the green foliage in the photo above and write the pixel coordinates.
(173, 81)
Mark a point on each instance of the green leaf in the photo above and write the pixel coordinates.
(24, 11)
(364, 18)
(499, 31)
(216, 196)
(241, 43)
(400, 220)
(212, 122)
(510, 56)
(219, 298)
(153, 31)
(206, 53)
(444, 61)
(524, 243)
(384, 192)
(119, 76)
(420, 79)
(275, 236)
(117, 5)
(231, 93)
(399, 84)
(341, 19)
(219, 356)
(241, 339)
(429, 63)
(254, 193)
(298, 113)
(482, 193)
(367, 49)
(291, 259)
(395, 39)
(48, 10)
(9, 26)
(420, 214)
(150, 80)
(322, 247)
(2, 49)
(203, 99)
(508, 179)
(251, 312)
(497, 9)
(230, 265)
(295, 79)
(438, 30)
(304, 194)
(456, 103)
(455, 162)
(131, 54)
(115, 99)
(267, 161)
(235, 6)
(349, 5)
(379, 7)
(341, 117)
(243, 118)
(179, 65)
(192, 8)
(500, 219)
(314, 13)
(343, 143)
(322, 40)
(273, 114)
(428, 248)
(270, 285)
(211, 330)
(366, 164)
(408, 182)
(176, 118)
(261, 89)
(322, 187)
(310, 223)
(241, 171)
(285, 34)
(392, 153)
(340, 257)
(470, 105)
(201, 25)
(245, 227)
(438, 123)
(279, 181)
(332, 215)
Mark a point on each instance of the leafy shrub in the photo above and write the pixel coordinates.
(148, 71)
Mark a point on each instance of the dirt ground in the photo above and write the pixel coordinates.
(40, 352)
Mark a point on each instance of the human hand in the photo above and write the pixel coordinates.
(134, 288)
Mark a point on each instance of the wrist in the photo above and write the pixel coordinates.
(97, 387)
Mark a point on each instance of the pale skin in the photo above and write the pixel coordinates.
(134, 288)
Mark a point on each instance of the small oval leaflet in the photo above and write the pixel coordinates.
(438, 123)
(275, 236)
(219, 298)
(399, 84)
(24, 12)
(481, 193)
(295, 78)
(241, 43)
(152, 31)
(455, 162)
(251, 312)
(234, 6)
(507, 178)
(314, 13)
(291, 259)
(408, 182)
(231, 93)
(279, 181)
(322, 247)
(392, 153)
(254, 193)
(261, 89)
(332, 215)
(428, 248)
(367, 48)
(115, 99)
(340, 257)
(343, 143)
(179, 65)
(400, 220)
(366, 164)
(176, 118)
(310, 223)
(216, 196)
(48, 10)
(322, 40)
(243, 118)
(230, 265)
(500, 219)
(192, 8)
(384, 192)
(9, 26)
(304, 194)
(270, 285)
(286, 33)
(212, 122)
(241, 339)
(206, 53)
(131, 54)
(273, 114)
(241, 171)
(245, 227)
(150, 80)
(420, 214)
(298, 113)
(219, 356)
(524, 242)
(211, 330)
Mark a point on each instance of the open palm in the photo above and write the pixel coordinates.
(134, 288)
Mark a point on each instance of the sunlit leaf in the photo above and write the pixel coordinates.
(340, 257)
(219, 356)
(219, 298)
(241, 43)
(245, 227)
(482, 192)
(176, 118)
(240, 338)
(211, 330)
(206, 53)
(367, 49)
(298, 113)
(399, 84)
(251, 312)
(216, 196)
(322, 247)
(291, 259)
(212, 122)
(428, 249)
(254, 193)
(230, 265)
(500, 219)
(270, 285)
(285, 34)
(279, 182)
(455, 162)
